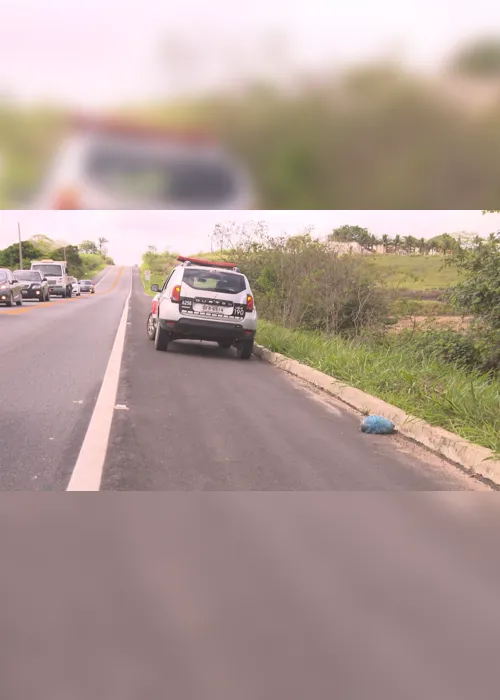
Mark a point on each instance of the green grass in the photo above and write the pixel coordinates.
(463, 402)
(416, 272)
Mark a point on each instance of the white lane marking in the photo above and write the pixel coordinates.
(87, 473)
(103, 277)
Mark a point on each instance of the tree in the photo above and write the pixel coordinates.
(102, 242)
(479, 292)
(352, 234)
(43, 244)
(9, 257)
(89, 247)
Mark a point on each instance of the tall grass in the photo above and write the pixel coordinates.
(464, 402)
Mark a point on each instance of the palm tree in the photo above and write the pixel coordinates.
(422, 246)
(385, 242)
(397, 243)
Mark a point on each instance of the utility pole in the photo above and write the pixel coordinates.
(20, 246)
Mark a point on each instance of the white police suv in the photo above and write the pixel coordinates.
(204, 300)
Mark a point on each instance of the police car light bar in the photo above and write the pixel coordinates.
(207, 263)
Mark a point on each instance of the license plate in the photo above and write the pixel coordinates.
(209, 309)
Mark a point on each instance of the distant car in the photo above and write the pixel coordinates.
(11, 289)
(105, 164)
(152, 317)
(205, 300)
(34, 284)
(76, 288)
(87, 286)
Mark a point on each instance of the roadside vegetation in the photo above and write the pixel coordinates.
(84, 261)
(336, 312)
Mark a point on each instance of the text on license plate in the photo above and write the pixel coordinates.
(209, 309)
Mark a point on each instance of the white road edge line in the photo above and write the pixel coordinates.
(87, 472)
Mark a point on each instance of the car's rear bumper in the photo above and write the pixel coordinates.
(201, 329)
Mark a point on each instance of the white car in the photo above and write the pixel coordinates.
(204, 300)
(108, 165)
(76, 288)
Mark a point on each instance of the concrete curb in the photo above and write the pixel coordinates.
(474, 459)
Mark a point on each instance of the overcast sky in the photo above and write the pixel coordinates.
(96, 52)
(185, 232)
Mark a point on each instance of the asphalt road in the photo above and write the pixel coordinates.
(268, 596)
(53, 358)
(197, 418)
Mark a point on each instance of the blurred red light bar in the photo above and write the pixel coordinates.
(121, 127)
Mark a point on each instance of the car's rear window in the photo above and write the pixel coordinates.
(215, 281)
(162, 177)
(85, 282)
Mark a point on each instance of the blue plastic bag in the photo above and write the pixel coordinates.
(377, 425)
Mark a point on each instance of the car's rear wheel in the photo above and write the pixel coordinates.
(245, 349)
(224, 344)
(151, 327)
(161, 338)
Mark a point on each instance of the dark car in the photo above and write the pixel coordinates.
(87, 286)
(34, 284)
(11, 290)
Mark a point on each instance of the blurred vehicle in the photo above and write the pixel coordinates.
(152, 317)
(11, 289)
(205, 300)
(76, 287)
(106, 164)
(34, 284)
(87, 286)
(57, 276)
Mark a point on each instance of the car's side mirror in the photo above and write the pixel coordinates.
(44, 279)
(14, 279)
(155, 288)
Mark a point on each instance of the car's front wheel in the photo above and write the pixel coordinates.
(245, 349)
(161, 338)
(9, 301)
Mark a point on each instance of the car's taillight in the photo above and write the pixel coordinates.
(176, 294)
(249, 302)
(67, 198)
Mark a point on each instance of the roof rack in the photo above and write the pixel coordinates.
(208, 263)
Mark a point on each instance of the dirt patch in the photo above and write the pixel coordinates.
(455, 323)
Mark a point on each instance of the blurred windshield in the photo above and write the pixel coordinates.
(31, 275)
(49, 270)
